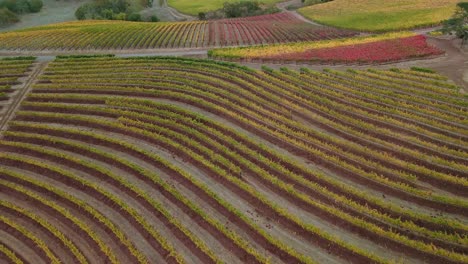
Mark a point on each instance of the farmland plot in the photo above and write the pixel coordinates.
(182, 160)
(86, 35)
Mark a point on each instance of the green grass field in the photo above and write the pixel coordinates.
(194, 7)
(380, 15)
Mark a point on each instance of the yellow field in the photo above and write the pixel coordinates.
(381, 15)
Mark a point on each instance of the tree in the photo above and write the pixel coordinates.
(241, 9)
(35, 6)
(120, 16)
(82, 11)
(202, 15)
(107, 14)
(7, 17)
(154, 18)
(134, 17)
(458, 24)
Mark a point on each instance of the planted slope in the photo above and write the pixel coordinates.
(381, 15)
(200, 162)
(373, 49)
(275, 28)
(12, 70)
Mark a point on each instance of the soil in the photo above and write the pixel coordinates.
(454, 64)
(19, 97)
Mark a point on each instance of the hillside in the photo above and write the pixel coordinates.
(380, 15)
(259, 139)
(194, 161)
(102, 34)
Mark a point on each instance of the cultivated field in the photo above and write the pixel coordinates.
(383, 48)
(12, 71)
(194, 7)
(381, 15)
(193, 161)
(276, 28)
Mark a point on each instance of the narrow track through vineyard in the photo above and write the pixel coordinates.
(128, 160)
(13, 72)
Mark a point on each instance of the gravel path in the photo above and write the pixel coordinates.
(23, 91)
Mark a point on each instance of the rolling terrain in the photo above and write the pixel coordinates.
(194, 161)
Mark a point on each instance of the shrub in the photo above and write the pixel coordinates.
(241, 9)
(202, 15)
(134, 17)
(82, 11)
(457, 25)
(107, 14)
(120, 16)
(154, 18)
(35, 6)
(7, 17)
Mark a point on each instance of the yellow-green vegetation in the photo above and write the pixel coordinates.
(161, 158)
(194, 7)
(381, 15)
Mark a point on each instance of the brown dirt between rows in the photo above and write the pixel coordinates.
(211, 202)
(454, 64)
(388, 242)
(293, 168)
(303, 153)
(338, 250)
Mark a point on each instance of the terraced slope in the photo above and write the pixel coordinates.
(152, 159)
(85, 35)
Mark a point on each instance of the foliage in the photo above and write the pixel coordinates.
(10, 8)
(111, 10)
(22, 6)
(275, 28)
(154, 18)
(134, 17)
(241, 9)
(7, 16)
(216, 132)
(458, 24)
(201, 15)
(193, 8)
(35, 6)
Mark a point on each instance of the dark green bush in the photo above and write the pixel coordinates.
(154, 18)
(35, 6)
(134, 17)
(241, 9)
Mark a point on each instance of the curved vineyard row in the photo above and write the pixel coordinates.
(12, 70)
(198, 161)
(275, 28)
(369, 49)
